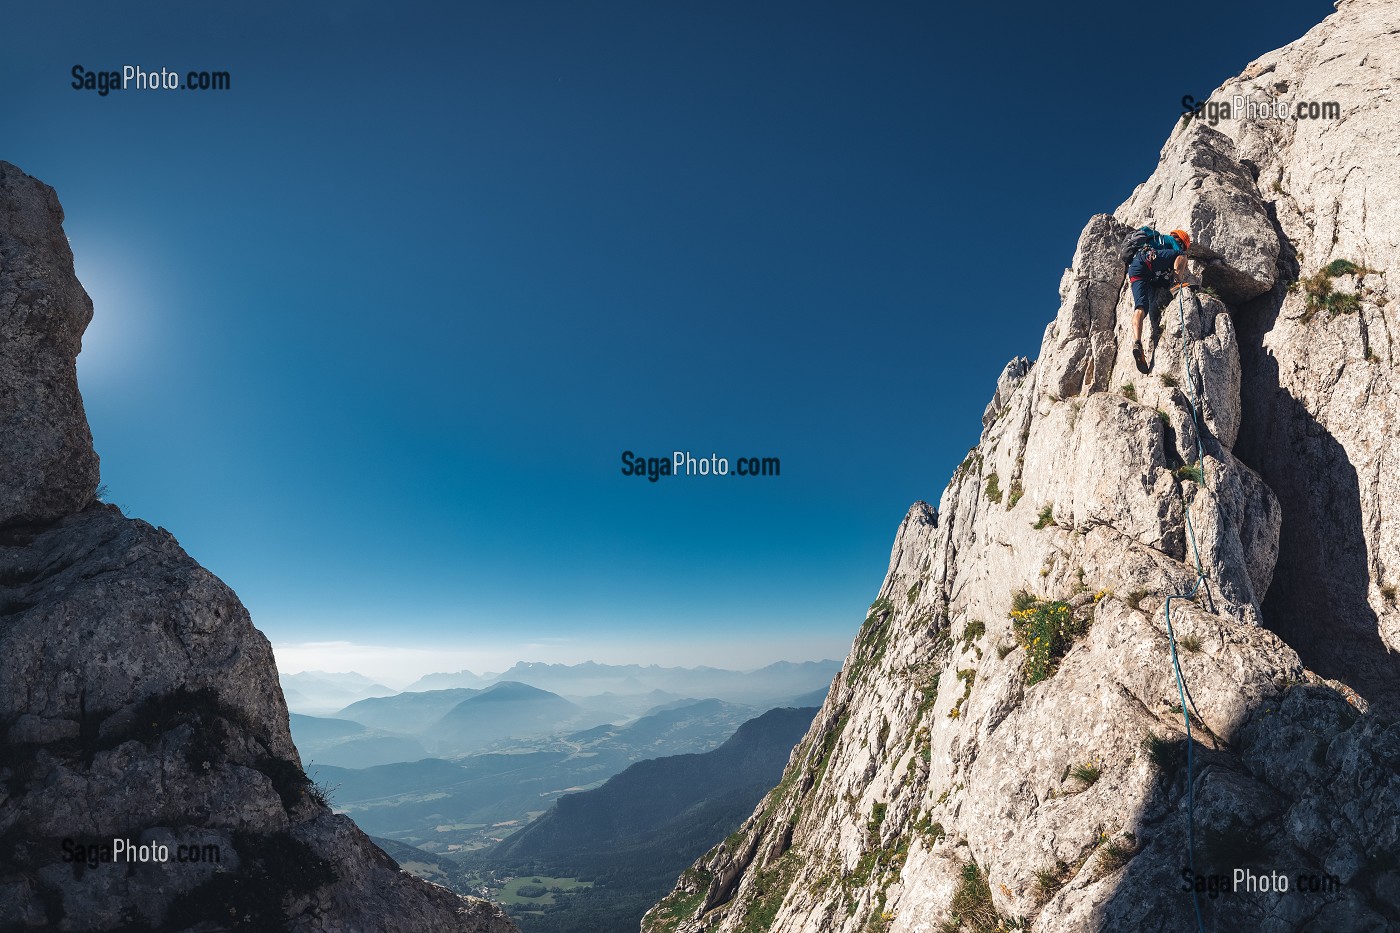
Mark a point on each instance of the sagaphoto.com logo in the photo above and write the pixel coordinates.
(1240, 107)
(137, 78)
(684, 463)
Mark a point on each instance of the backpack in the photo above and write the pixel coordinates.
(1144, 238)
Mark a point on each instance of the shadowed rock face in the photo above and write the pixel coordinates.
(137, 700)
(1319, 394)
(944, 777)
(49, 468)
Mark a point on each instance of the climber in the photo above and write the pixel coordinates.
(1155, 263)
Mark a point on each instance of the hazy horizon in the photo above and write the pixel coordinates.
(399, 666)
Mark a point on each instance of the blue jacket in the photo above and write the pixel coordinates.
(1153, 264)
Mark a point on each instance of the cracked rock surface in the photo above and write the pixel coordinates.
(50, 467)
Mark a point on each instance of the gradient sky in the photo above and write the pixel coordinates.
(374, 326)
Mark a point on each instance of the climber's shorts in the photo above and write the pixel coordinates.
(1149, 269)
(1142, 293)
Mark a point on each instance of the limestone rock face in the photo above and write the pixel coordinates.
(1011, 377)
(1081, 339)
(137, 700)
(1319, 393)
(50, 469)
(1207, 191)
(1007, 736)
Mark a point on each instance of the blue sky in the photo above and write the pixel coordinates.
(374, 326)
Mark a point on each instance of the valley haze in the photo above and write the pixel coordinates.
(399, 665)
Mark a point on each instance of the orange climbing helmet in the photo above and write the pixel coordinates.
(1183, 237)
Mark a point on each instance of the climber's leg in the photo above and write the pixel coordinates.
(1141, 291)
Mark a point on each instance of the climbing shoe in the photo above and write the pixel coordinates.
(1138, 356)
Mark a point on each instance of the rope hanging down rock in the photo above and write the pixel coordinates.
(1181, 690)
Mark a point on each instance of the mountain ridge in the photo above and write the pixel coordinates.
(772, 681)
(1006, 743)
(645, 823)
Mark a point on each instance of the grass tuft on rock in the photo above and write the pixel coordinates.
(1113, 856)
(1193, 472)
(1166, 755)
(1318, 294)
(972, 909)
(1014, 494)
(1049, 880)
(1086, 774)
(973, 631)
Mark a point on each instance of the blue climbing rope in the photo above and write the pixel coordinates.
(1190, 594)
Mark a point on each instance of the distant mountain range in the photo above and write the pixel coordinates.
(504, 710)
(377, 726)
(636, 832)
(621, 707)
(650, 796)
(406, 712)
(449, 681)
(453, 806)
(651, 777)
(350, 744)
(321, 692)
(458, 721)
(783, 679)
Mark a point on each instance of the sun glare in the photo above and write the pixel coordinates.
(126, 307)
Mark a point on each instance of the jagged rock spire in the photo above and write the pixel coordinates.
(47, 465)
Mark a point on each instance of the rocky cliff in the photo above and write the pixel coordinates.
(138, 704)
(1006, 746)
